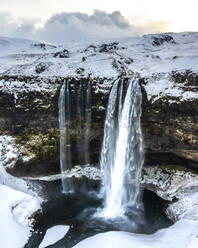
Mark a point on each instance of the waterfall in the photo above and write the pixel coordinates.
(64, 122)
(84, 120)
(81, 102)
(88, 124)
(122, 153)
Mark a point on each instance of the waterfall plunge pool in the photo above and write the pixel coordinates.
(77, 210)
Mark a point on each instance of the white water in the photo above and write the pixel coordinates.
(122, 153)
(65, 153)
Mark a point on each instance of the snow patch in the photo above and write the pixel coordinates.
(15, 209)
(8, 151)
(164, 87)
(53, 235)
(9, 154)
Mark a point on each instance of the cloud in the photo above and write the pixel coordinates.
(9, 26)
(99, 25)
(76, 26)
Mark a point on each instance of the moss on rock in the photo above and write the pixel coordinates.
(39, 146)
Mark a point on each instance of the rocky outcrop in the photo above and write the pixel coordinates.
(178, 186)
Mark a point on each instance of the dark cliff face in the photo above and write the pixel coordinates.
(32, 119)
(171, 132)
(170, 129)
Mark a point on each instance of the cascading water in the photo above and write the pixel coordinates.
(65, 153)
(82, 101)
(122, 153)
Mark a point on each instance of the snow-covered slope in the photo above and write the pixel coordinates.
(154, 57)
(16, 45)
(146, 55)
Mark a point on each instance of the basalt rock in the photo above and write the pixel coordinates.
(29, 113)
(171, 132)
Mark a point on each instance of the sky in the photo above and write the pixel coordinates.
(57, 21)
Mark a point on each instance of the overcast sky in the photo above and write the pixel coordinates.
(61, 20)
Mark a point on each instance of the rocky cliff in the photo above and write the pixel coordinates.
(31, 76)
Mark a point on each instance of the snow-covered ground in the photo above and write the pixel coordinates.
(183, 234)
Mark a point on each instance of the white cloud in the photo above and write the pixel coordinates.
(9, 26)
(76, 26)
(81, 26)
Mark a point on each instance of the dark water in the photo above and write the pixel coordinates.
(77, 210)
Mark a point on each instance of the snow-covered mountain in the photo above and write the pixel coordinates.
(154, 57)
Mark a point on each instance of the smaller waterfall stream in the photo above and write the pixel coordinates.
(122, 153)
(88, 124)
(74, 105)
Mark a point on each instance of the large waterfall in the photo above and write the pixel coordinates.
(74, 107)
(122, 153)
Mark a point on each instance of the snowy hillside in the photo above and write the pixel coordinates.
(153, 57)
